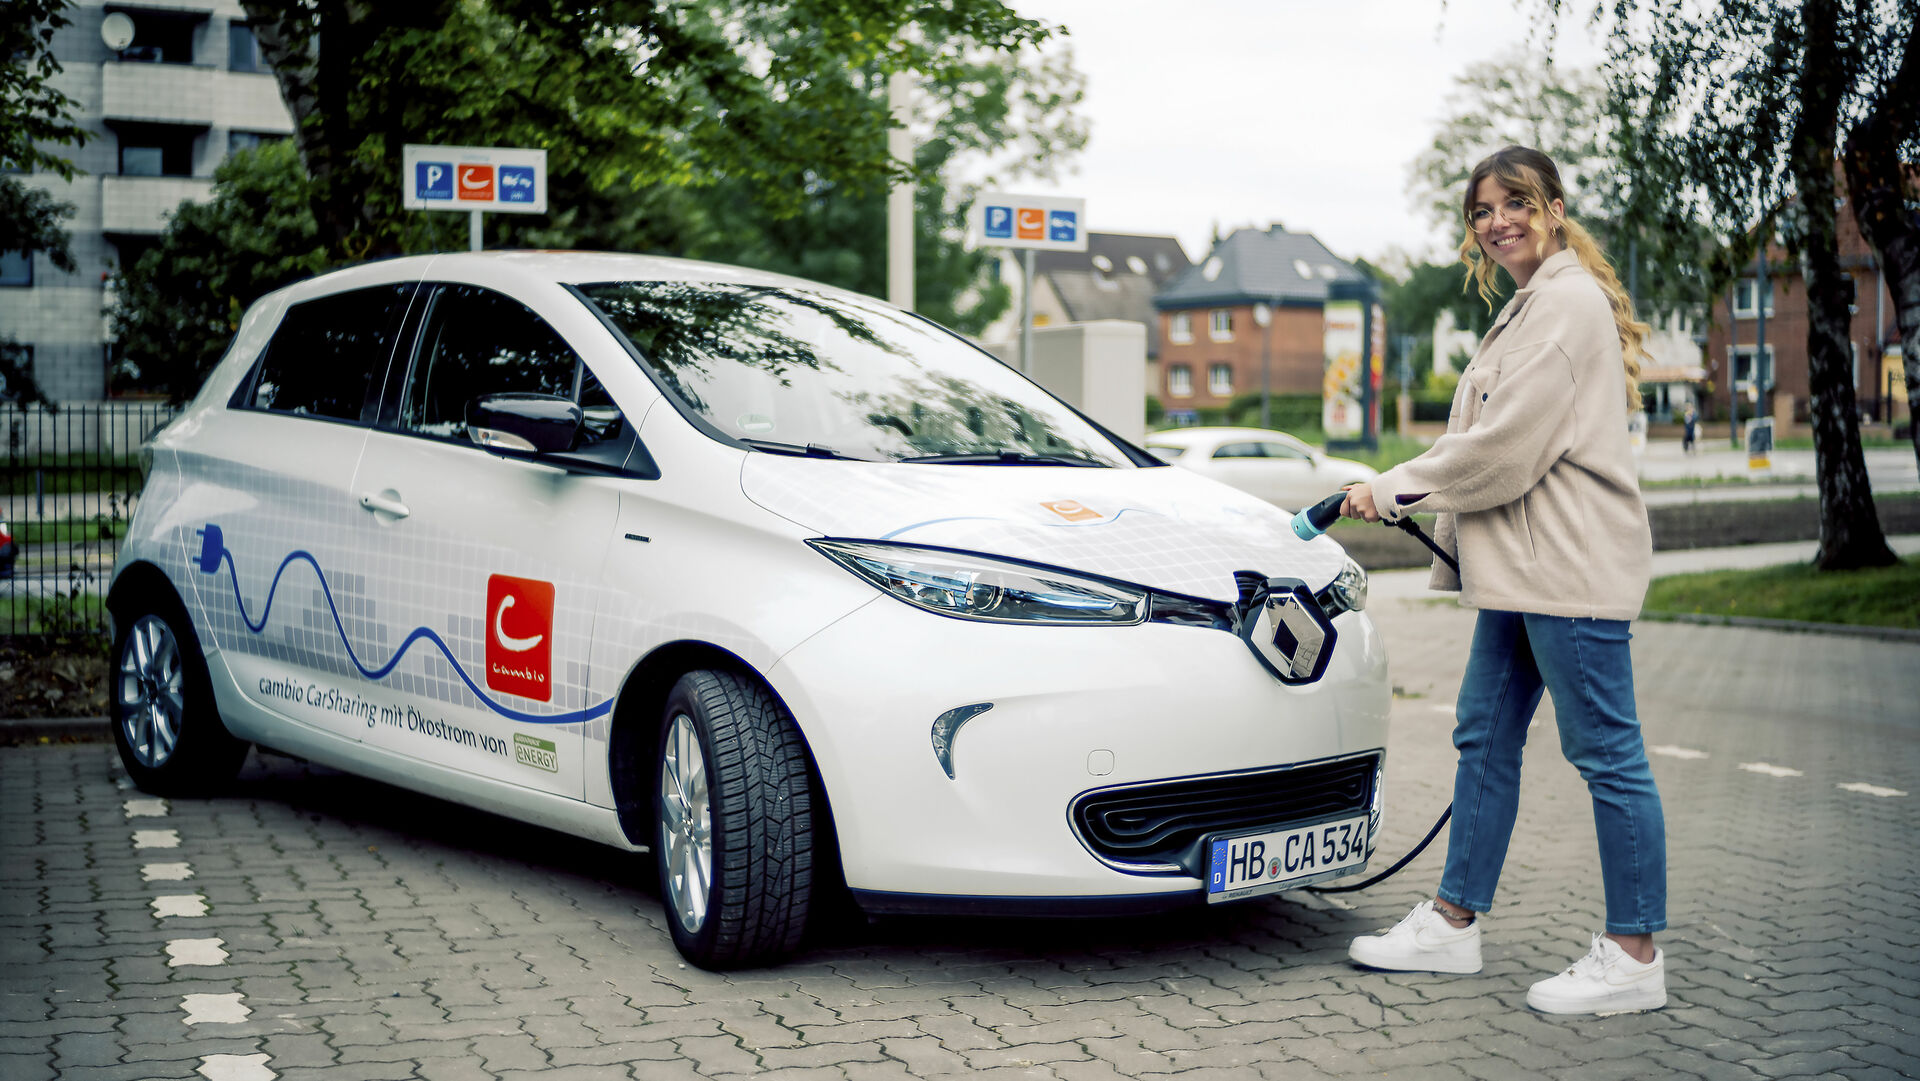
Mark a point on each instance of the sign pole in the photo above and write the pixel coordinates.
(1026, 311)
(473, 231)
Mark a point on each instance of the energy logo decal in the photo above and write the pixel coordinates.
(520, 636)
(538, 753)
(502, 617)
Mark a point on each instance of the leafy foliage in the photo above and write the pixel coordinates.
(34, 114)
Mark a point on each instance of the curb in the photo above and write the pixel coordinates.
(23, 731)
(1787, 626)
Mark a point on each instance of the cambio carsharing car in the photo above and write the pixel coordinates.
(794, 588)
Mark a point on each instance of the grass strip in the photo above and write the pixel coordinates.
(1870, 597)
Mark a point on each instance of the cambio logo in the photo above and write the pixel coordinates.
(520, 636)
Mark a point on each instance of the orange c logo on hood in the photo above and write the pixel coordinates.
(1072, 510)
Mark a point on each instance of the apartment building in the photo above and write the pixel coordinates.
(169, 88)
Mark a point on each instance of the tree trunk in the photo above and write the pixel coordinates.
(1881, 189)
(1850, 534)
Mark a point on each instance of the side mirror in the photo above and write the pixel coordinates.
(527, 423)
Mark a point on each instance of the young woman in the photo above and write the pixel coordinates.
(1536, 492)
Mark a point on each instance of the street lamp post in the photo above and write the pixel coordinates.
(1263, 315)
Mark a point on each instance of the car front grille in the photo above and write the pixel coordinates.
(1156, 827)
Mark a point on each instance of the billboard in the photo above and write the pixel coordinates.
(1340, 389)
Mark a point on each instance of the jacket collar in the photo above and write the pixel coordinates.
(1561, 262)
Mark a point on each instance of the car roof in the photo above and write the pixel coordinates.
(1188, 437)
(558, 267)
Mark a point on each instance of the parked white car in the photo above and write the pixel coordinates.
(786, 584)
(1280, 469)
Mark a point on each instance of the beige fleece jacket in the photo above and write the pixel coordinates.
(1534, 482)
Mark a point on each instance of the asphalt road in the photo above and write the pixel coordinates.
(311, 925)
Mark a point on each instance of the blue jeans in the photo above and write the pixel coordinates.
(1586, 666)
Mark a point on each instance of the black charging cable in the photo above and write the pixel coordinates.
(1307, 525)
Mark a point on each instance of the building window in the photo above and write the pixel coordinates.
(1743, 291)
(161, 38)
(1220, 380)
(1743, 367)
(156, 150)
(1180, 328)
(1220, 325)
(1180, 381)
(243, 49)
(16, 269)
(14, 358)
(248, 140)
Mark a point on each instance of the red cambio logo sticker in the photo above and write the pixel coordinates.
(520, 637)
(474, 182)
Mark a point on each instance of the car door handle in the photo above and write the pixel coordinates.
(387, 502)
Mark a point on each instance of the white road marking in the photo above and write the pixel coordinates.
(1441, 708)
(1864, 788)
(1770, 770)
(180, 904)
(235, 1068)
(156, 838)
(196, 951)
(214, 1009)
(146, 808)
(166, 872)
(1672, 751)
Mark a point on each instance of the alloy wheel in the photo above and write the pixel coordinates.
(686, 824)
(149, 691)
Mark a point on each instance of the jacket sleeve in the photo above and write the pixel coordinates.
(1523, 427)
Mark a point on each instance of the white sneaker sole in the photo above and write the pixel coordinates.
(1455, 966)
(1630, 1000)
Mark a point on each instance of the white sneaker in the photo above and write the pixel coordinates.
(1423, 942)
(1605, 981)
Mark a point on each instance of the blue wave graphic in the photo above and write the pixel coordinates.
(1108, 520)
(213, 553)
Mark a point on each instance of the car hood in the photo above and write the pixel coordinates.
(1165, 528)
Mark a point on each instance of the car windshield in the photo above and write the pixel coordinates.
(797, 371)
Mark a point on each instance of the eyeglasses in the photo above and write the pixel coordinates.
(1515, 210)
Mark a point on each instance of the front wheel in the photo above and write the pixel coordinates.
(165, 724)
(734, 810)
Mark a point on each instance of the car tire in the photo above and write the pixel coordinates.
(165, 724)
(733, 812)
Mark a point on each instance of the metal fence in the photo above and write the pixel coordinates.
(68, 484)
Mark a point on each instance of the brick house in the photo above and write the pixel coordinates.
(1874, 335)
(1213, 340)
(1115, 278)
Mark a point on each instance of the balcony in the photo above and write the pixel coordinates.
(139, 204)
(157, 93)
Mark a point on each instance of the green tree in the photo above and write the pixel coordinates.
(632, 93)
(34, 117)
(1742, 105)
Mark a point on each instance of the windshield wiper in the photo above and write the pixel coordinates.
(1004, 457)
(811, 450)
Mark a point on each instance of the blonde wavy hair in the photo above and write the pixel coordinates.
(1533, 176)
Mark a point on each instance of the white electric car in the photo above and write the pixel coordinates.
(790, 586)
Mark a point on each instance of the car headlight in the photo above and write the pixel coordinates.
(1346, 593)
(968, 586)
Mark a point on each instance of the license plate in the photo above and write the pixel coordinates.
(1242, 865)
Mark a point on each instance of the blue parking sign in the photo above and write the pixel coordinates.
(1063, 225)
(999, 221)
(516, 183)
(433, 180)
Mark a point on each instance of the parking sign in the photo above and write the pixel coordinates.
(1044, 222)
(494, 179)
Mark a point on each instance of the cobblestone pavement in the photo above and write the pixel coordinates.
(311, 925)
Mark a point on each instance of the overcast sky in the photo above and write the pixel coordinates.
(1249, 112)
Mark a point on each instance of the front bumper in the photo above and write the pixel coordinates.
(1074, 710)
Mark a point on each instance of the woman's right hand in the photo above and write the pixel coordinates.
(1359, 503)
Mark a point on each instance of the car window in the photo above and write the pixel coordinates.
(477, 342)
(327, 353)
(1282, 450)
(1241, 450)
(806, 368)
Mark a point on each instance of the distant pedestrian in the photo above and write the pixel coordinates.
(1536, 491)
(1690, 430)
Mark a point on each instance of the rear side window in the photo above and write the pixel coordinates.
(478, 342)
(328, 356)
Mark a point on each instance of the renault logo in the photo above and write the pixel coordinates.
(1288, 632)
